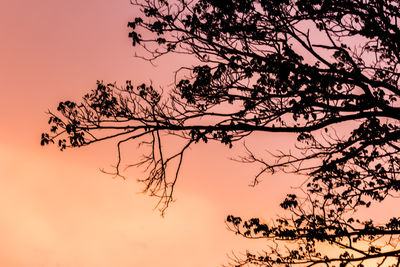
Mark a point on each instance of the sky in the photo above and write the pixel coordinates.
(58, 208)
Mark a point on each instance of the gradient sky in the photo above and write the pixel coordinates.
(57, 208)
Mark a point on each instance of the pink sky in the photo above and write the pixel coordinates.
(57, 208)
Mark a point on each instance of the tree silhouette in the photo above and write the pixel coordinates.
(325, 70)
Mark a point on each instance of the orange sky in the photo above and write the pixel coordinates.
(57, 208)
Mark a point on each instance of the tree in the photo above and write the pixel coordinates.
(325, 70)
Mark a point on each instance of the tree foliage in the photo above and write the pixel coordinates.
(325, 70)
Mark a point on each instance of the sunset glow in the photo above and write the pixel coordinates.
(58, 208)
(260, 132)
